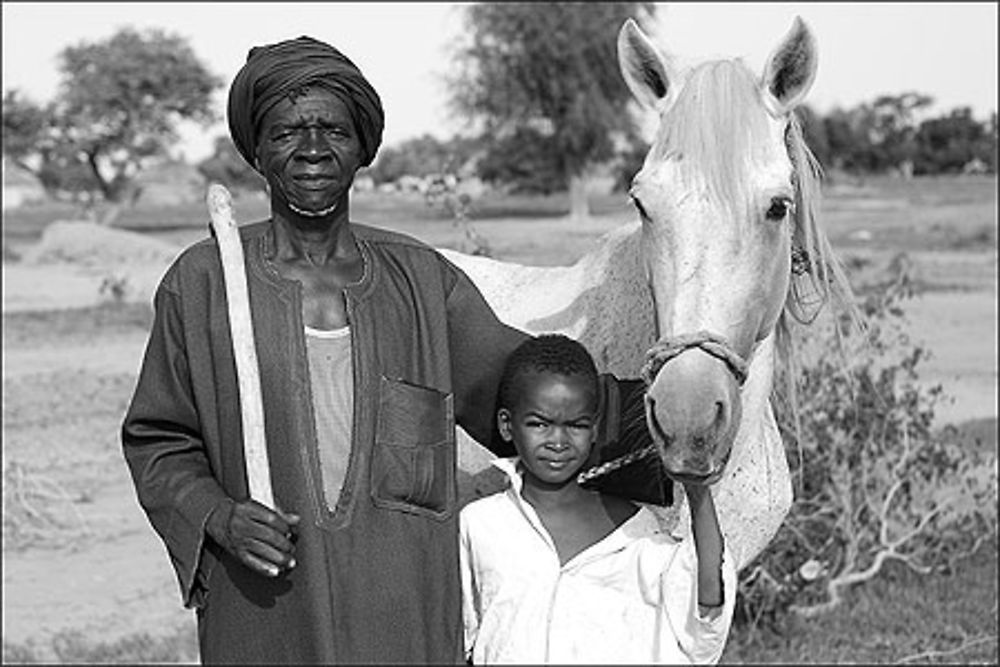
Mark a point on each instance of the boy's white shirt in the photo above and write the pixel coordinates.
(631, 598)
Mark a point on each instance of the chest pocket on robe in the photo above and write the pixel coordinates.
(413, 462)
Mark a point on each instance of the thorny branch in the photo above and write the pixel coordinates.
(926, 655)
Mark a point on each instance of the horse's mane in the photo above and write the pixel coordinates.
(817, 274)
(706, 127)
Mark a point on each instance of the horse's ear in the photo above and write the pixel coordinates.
(790, 69)
(643, 66)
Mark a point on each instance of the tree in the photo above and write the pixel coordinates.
(885, 134)
(227, 166)
(421, 156)
(629, 163)
(895, 127)
(844, 140)
(527, 160)
(118, 108)
(31, 142)
(549, 70)
(947, 144)
(814, 132)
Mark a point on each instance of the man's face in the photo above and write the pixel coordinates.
(551, 424)
(309, 151)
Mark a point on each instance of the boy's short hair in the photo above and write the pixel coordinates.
(551, 353)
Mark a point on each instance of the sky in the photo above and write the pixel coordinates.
(945, 50)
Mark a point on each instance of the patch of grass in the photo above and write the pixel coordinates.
(982, 237)
(73, 646)
(27, 222)
(901, 615)
(980, 434)
(955, 213)
(10, 254)
(45, 326)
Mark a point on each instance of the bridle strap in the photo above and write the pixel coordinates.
(669, 347)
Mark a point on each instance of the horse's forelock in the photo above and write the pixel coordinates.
(716, 127)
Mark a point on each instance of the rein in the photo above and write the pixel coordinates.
(614, 464)
(660, 353)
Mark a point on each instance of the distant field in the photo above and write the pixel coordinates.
(877, 214)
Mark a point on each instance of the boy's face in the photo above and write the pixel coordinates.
(551, 424)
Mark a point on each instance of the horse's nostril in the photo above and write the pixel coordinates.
(720, 416)
(654, 424)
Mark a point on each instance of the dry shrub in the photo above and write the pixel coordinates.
(873, 481)
(449, 192)
(37, 511)
(75, 647)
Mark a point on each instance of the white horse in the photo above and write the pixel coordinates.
(695, 295)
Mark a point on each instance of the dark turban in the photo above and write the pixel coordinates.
(273, 71)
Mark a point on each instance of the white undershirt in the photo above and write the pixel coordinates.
(332, 380)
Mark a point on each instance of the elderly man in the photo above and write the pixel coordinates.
(371, 348)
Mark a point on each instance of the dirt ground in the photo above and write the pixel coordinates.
(78, 553)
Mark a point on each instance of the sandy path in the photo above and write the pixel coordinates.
(29, 287)
(111, 576)
(111, 587)
(960, 330)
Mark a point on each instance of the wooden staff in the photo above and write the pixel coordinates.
(220, 208)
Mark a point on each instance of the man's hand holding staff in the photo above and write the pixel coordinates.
(261, 537)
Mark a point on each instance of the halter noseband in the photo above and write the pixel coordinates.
(669, 347)
(660, 353)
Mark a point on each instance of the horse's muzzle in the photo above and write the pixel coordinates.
(693, 411)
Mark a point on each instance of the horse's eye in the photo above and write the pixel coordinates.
(780, 207)
(638, 206)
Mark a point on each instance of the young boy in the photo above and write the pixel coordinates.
(556, 573)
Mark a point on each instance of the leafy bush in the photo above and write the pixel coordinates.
(873, 482)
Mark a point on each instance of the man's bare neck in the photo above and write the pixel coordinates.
(314, 243)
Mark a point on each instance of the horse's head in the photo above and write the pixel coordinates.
(723, 213)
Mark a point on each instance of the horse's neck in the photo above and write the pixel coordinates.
(755, 395)
(607, 304)
(602, 300)
(622, 312)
